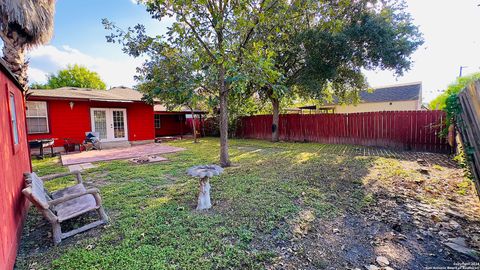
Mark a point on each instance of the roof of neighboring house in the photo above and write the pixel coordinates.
(116, 94)
(399, 92)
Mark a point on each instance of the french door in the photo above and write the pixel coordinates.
(110, 123)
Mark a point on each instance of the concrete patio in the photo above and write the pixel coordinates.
(118, 153)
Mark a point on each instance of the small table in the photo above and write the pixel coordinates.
(41, 144)
(69, 145)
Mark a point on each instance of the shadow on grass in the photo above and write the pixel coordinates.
(283, 205)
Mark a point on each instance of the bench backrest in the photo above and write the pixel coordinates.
(35, 191)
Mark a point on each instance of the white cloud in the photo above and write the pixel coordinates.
(37, 75)
(50, 59)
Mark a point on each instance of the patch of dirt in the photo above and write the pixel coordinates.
(37, 235)
(98, 180)
(418, 217)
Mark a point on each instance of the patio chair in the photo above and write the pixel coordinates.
(92, 140)
(64, 204)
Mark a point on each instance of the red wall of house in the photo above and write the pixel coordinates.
(72, 123)
(175, 124)
(14, 161)
(172, 124)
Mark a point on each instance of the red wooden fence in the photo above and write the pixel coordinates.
(403, 130)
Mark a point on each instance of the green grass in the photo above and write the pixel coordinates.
(154, 224)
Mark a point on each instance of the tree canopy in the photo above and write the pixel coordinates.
(73, 76)
(219, 36)
(320, 56)
(267, 48)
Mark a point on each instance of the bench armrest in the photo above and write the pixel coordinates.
(55, 176)
(94, 191)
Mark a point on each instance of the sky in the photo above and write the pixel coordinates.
(449, 27)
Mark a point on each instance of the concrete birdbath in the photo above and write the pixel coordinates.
(204, 173)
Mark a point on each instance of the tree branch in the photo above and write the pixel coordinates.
(197, 36)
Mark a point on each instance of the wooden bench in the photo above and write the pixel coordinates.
(64, 204)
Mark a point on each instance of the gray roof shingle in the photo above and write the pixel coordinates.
(402, 92)
(114, 94)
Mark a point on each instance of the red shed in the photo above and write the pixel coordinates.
(14, 161)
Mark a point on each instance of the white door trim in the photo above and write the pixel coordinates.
(109, 122)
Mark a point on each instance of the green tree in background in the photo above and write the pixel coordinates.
(73, 76)
(440, 102)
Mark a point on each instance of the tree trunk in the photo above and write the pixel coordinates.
(276, 118)
(14, 56)
(204, 195)
(224, 158)
(193, 126)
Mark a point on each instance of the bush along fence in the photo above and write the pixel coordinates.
(400, 130)
(468, 124)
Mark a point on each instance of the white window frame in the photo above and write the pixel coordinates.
(13, 118)
(159, 121)
(46, 117)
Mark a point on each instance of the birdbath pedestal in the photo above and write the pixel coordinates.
(204, 173)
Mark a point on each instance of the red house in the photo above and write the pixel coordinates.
(119, 116)
(14, 161)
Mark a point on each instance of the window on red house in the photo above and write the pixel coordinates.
(37, 117)
(158, 123)
(13, 115)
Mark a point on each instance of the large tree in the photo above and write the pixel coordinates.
(219, 32)
(73, 76)
(323, 47)
(24, 24)
(172, 77)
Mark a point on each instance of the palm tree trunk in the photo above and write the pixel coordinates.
(14, 57)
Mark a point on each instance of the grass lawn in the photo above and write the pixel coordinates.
(267, 211)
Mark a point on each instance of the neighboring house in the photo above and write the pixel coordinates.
(119, 116)
(15, 161)
(401, 97)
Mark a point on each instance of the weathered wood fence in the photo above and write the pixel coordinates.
(468, 125)
(403, 130)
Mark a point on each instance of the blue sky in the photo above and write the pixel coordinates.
(450, 29)
(79, 37)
